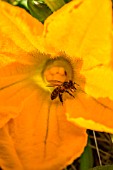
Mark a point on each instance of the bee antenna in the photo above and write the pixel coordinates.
(76, 84)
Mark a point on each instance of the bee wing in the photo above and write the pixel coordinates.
(54, 81)
(53, 85)
(50, 85)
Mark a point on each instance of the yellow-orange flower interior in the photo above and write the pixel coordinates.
(36, 132)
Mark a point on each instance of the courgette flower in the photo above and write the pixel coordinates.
(75, 43)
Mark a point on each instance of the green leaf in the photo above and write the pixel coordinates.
(39, 9)
(23, 3)
(54, 4)
(86, 160)
(106, 167)
(66, 1)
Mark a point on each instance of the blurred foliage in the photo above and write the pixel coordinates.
(106, 167)
(54, 4)
(39, 9)
(86, 159)
(21, 3)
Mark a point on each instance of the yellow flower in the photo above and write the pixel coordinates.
(75, 44)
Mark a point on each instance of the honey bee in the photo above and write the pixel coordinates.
(67, 86)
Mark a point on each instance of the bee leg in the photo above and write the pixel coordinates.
(73, 89)
(60, 97)
(69, 93)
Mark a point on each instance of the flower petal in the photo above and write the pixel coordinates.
(17, 82)
(82, 29)
(99, 81)
(18, 29)
(7, 151)
(90, 113)
(42, 136)
(12, 97)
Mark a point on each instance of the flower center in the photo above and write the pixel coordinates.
(58, 71)
(55, 73)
